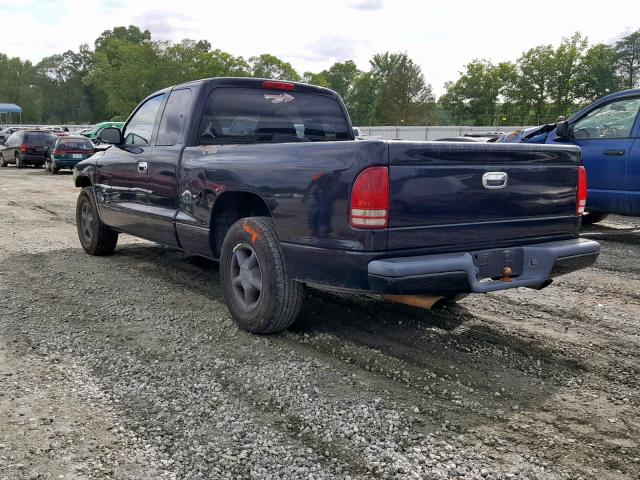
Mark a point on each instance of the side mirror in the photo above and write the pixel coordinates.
(563, 130)
(356, 132)
(111, 135)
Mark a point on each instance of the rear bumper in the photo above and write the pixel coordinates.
(33, 159)
(66, 163)
(453, 273)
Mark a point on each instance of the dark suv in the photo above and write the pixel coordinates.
(26, 147)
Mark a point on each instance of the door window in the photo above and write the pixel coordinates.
(138, 130)
(173, 118)
(613, 120)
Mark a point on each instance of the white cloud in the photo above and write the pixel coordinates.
(440, 36)
(367, 5)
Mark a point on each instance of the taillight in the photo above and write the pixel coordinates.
(581, 201)
(58, 152)
(370, 199)
(273, 85)
(23, 148)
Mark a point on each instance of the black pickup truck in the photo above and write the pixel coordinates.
(267, 177)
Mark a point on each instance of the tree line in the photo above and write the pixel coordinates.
(106, 81)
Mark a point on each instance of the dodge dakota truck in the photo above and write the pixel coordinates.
(266, 177)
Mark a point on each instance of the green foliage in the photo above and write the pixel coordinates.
(402, 95)
(473, 99)
(126, 64)
(628, 59)
(543, 84)
(270, 66)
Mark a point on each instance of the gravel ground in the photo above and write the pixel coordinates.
(129, 367)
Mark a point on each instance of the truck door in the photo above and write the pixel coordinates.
(606, 136)
(164, 166)
(121, 186)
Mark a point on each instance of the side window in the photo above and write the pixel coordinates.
(173, 118)
(613, 120)
(12, 139)
(16, 138)
(138, 130)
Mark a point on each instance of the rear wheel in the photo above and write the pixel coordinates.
(54, 168)
(19, 161)
(3, 162)
(47, 165)
(591, 218)
(257, 289)
(96, 237)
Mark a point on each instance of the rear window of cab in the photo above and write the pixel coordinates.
(243, 115)
(74, 144)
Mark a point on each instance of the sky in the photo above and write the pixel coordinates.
(440, 36)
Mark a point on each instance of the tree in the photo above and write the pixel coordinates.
(270, 66)
(474, 97)
(628, 52)
(363, 100)
(563, 87)
(596, 75)
(126, 68)
(402, 94)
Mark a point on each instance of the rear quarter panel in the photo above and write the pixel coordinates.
(305, 185)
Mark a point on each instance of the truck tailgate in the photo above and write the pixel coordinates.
(439, 199)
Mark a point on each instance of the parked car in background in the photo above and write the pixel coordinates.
(67, 151)
(473, 137)
(5, 132)
(94, 133)
(266, 177)
(26, 147)
(608, 132)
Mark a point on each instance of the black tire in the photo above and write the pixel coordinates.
(277, 303)
(3, 162)
(19, 161)
(95, 237)
(54, 169)
(591, 218)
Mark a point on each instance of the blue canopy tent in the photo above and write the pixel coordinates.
(6, 111)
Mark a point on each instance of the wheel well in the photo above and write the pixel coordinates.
(83, 181)
(228, 209)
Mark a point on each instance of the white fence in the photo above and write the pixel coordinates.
(72, 128)
(417, 134)
(385, 133)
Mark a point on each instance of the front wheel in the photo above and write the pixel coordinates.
(3, 162)
(96, 237)
(260, 294)
(19, 161)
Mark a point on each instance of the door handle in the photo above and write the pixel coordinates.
(614, 153)
(142, 167)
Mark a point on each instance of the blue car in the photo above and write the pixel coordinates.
(608, 132)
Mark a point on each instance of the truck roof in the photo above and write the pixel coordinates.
(251, 82)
